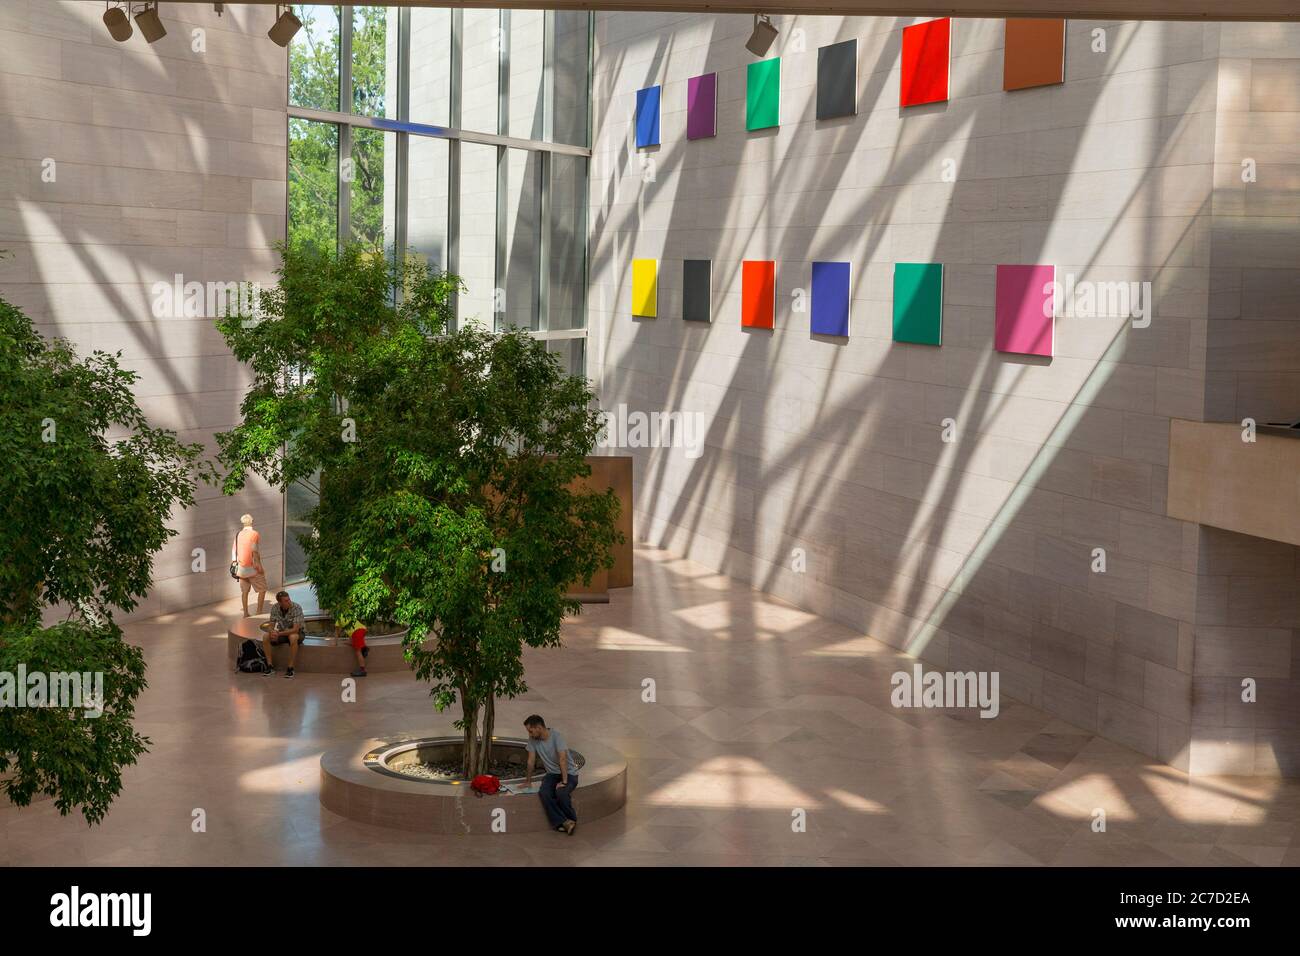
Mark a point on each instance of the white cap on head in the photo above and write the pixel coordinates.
(246, 520)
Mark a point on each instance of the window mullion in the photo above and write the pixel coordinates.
(403, 143)
(542, 241)
(345, 59)
(453, 155)
(345, 131)
(503, 200)
(548, 76)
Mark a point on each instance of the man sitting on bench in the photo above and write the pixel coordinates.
(287, 626)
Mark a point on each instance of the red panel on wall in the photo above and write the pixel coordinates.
(925, 63)
(757, 293)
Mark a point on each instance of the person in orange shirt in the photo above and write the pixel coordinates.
(248, 561)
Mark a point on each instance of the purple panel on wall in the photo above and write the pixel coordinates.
(701, 106)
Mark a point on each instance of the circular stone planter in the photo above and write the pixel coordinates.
(396, 760)
(320, 652)
(359, 781)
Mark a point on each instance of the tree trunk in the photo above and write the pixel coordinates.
(489, 724)
(469, 716)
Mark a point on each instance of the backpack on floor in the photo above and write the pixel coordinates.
(252, 659)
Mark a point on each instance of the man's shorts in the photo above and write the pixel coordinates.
(256, 581)
(359, 638)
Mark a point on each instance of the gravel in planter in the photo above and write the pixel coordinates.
(450, 770)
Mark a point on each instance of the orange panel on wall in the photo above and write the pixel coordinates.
(757, 293)
(1034, 54)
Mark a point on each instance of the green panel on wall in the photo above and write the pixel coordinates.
(763, 94)
(918, 302)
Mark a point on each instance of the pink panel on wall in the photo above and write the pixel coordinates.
(1025, 303)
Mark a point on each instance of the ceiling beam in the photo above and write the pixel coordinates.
(1269, 10)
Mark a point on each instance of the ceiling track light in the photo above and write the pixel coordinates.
(150, 24)
(764, 33)
(285, 26)
(118, 21)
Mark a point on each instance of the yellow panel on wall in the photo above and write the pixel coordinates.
(645, 287)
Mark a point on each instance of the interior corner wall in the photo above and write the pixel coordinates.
(824, 477)
(126, 164)
(1247, 623)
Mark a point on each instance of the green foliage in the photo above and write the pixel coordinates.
(314, 147)
(83, 513)
(86, 491)
(466, 442)
(369, 98)
(59, 751)
(367, 210)
(313, 182)
(370, 26)
(314, 58)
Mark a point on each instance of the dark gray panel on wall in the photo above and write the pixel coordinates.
(697, 290)
(837, 80)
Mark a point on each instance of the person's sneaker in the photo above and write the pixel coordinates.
(359, 672)
(569, 826)
(561, 829)
(288, 673)
(269, 672)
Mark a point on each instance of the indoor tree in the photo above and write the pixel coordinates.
(86, 490)
(448, 459)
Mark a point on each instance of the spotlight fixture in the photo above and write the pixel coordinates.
(118, 22)
(285, 26)
(764, 33)
(150, 23)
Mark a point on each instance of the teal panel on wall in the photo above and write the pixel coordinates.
(918, 302)
(763, 94)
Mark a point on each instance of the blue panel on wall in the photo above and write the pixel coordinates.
(830, 298)
(647, 116)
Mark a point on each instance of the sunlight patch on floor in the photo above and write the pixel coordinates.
(853, 801)
(293, 776)
(1079, 798)
(861, 646)
(732, 781)
(765, 621)
(616, 638)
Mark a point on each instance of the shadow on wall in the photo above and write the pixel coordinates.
(975, 554)
(130, 164)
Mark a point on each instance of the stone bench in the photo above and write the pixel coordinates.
(319, 653)
(354, 786)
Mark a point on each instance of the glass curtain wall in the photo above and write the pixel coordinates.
(457, 136)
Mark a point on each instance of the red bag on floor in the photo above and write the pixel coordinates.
(485, 783)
